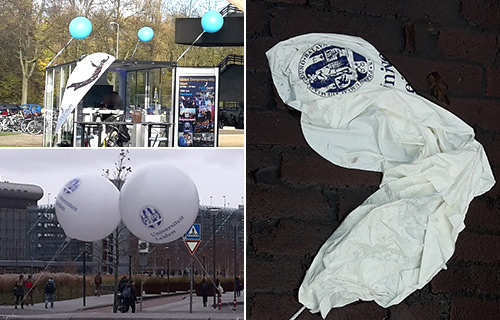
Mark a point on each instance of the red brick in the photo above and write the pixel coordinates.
(483, 13)
(464, 45)
(288, 238)
(481, 113)
(313, 169)
(439, 11)
(490, 144)
(482, 216)
(477, 247)
(474, 278)
(461, 78)
(493, 81)
(257, 158)
(256, 52)
(267, 306)
(274, 128)
(260, 91)
(385, 35)
(418, 311)
(275, 274)
(350, 199)
(474, 309)
(257, 12)
(278, 202)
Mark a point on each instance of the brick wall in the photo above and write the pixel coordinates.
(296, 199)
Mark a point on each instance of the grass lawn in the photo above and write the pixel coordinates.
(8, 133)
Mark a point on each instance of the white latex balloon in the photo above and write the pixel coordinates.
(159, 203)
(87, 208)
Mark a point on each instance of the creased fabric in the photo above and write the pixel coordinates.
(359, 112)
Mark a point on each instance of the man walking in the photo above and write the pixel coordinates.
(50, 289)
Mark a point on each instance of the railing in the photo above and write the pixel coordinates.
(231, 59)
(229, 9)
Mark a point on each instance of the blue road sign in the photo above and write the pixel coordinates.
(194, 232)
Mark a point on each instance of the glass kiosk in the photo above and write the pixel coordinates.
(131, 104)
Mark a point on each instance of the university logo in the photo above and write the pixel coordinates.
(329, 70)
(71, 186)
(151, 217)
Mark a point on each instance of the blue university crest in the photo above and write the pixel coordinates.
(151, 217)
(330, 70)
(71, 186)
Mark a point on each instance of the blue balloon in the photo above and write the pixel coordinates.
(212, 21)
(80, 27)
(145, 34)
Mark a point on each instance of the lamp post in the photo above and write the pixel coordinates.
(214, 212)
(224, 201)
(117, 36)
(130, 267)
(235, 222)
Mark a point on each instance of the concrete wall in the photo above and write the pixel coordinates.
(296, 199)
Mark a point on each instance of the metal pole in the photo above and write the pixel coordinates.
(215, 276)
(191, 287)
(168, 275)
(235, 275)
(84, 265)
(130, 267)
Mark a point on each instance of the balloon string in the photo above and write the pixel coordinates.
(57, 55)
(182, 55)
(298, 313)
(135, 49)
(58, 252)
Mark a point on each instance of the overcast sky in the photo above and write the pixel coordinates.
(216, 172)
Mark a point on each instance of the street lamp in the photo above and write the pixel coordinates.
(235, 222)
(117, 36)
(214, 212)
(224, 201)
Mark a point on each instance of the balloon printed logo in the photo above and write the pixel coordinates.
(151, 217)
(71, 186)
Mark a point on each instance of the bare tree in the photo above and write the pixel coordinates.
(118, 177)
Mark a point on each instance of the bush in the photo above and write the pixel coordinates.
(69, 286)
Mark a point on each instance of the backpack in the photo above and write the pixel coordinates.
(49, 287)
(127, 293)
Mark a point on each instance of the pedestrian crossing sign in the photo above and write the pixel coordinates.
(194, 232)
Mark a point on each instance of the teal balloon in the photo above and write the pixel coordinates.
(80, 27)
(145, 34)
(212, 21)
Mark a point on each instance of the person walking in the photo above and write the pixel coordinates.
(19, 291)
(238, 286)
(50, 289)
(204, 291)
(129, 296)
(29, 287)
(98, 283)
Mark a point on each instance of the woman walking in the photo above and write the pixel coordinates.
(19, 291)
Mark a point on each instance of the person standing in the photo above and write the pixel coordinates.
(238, 286)
(129, 296)
(204, 291)
(50, 289)
(19, 291)
(98, 283)
(29, 288)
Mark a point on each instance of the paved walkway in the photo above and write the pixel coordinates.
(170, 307)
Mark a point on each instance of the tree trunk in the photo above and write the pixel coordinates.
(24, 96)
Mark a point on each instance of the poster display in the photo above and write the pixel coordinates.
(196, 104)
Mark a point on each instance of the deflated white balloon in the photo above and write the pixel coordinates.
(87, 208)
(159, 203)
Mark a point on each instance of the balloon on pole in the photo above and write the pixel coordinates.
(159, 203)
(87, 208)
(145, 34)
(212, 21)
(80, 27)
